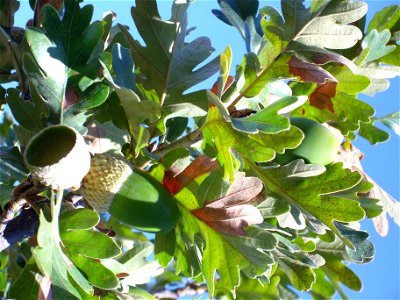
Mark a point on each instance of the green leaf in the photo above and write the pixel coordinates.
(321, 287)
(392, 121)
(386, 18)
(270, 119)
(140, 269)
(123, 67)
(164, 247)
(314, 196)
(129, 112)
(47, 72)
(325, 28)
(364, 249)
(138, 293)
(166, 63)
(29, 114)
(90, 243)
(5, 193)
(220, 255)
(302, 277)
(96, 273)
(74, 36)
(376, 42)
(272, 207)
(26, 286)
(251, 289)
(67, 281)
(12, 165)
(8, 8)
(68, 44)
(220, 135)
(373, 134)
(337, 271)
(81, 218)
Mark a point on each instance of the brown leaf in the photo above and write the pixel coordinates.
(322, 96)
(230, 220)
(230, 214)
(174, 181)
(241, 191)
(324, 58)
(57, 4)
(309, 72)
(71, 98)
(228, 83)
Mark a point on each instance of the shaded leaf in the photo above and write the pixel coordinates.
(8, 8)
(26, 286)
(12, 165)
(164, 247)
(123, 67)
(96, 273)
(167, 63)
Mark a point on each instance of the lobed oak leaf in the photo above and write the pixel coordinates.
(230, 214)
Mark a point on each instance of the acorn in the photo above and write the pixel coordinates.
(132, 196)
(58, 157)
(106, 175)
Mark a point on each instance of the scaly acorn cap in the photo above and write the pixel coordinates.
(106, 175)
(58, 157)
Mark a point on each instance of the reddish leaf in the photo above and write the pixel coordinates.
(230, 214)
(228, 83)
(309, 72)
(324, 58)
(174, 181)
(71, 98)
(241, 191)
(381, 224)
(322, 96)
(230, 220)
(57, 4)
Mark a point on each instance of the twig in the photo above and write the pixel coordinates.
(23, 194)
(185, 141)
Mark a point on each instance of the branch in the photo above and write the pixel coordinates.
(184, 142)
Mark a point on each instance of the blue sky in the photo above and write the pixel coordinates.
(381, 162)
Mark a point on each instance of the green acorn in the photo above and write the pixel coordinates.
(106, 175)
(131, 196)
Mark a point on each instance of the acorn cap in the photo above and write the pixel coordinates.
(58, 157)
(106, 175)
